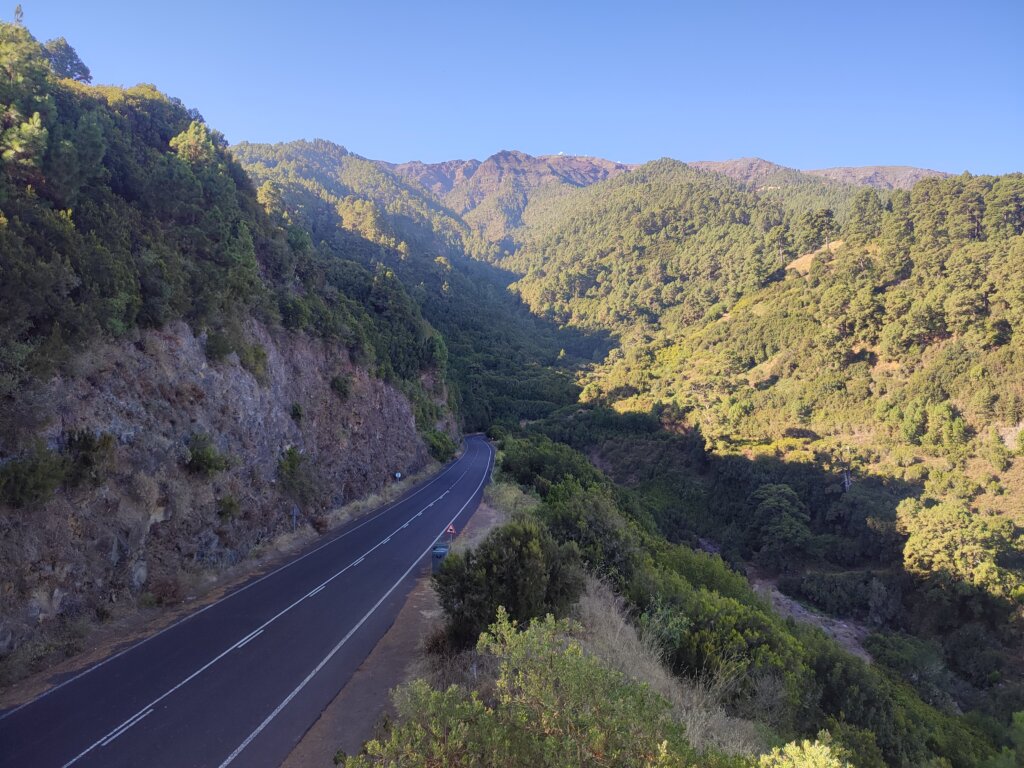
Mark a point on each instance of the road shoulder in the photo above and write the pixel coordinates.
(355, 713)
(103, 641)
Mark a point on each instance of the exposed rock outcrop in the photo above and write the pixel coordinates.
(151, 523)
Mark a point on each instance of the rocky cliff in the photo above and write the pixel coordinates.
(492, 194)
(194, 464)
(758, 172)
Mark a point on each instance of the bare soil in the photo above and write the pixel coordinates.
(849, 634)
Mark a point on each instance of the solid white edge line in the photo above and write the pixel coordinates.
(241, 747)
(239, 591)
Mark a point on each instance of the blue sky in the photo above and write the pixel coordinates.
(810, 85)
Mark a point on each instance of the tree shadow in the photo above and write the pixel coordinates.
(855, 567)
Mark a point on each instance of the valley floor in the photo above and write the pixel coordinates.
(848, 633)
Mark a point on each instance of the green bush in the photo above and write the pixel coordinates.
(553, 707)
(518, 566)
(218, 346)
(89, 456)
(296, 413)
(341, 386)
(253, 358)
(33, 478)
(202, 456)
(440, 444)
(228, 507)
(295, 475)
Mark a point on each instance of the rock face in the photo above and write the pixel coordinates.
(465, 184)
(492, 194)
(748, 170)
(757, 172)
(151, 525)
(878, 176)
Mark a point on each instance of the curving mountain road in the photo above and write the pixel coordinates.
(240, 681)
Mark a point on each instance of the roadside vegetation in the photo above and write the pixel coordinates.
(715, 675)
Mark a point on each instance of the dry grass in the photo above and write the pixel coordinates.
(802, 264)
(607, 635)
(385, 495)
(697, 704)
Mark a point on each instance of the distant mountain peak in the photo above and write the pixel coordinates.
(879, 176)
(757, 171)
(494, 192)
(749, 170)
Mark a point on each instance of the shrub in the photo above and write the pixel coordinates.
(32, 479)
(554, 706)
(518, 566)
(295, 476)
(440, 444)
(341, 386)
(253, 358)
(296, 413)
(805, 754)
(590, 518)
(202, 457)
(218, 346)
(228, 507)
(89, 456)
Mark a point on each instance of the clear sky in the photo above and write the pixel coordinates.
(935, 84)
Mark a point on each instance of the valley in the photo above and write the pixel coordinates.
(754, 434)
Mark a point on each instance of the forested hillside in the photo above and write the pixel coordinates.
(817, 378)
(122, 209)
(178, 367)
(662, 246)
(505, 363)
(492, 195)
(861, 403)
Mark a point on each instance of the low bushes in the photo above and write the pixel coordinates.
(33, 477)
(518, 566)
(440, 444)
(202, 457)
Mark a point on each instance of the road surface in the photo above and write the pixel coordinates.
(240, 681)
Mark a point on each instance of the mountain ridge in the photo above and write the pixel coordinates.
(753, 170)
(444, 177)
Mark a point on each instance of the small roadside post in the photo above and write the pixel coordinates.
(450, 530)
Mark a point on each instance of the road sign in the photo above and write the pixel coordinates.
(450, 530)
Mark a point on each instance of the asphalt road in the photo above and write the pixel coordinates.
(240, 681)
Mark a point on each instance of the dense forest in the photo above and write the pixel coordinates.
(123, 209)
(506, 364)
(690, 275)
(700, 384)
